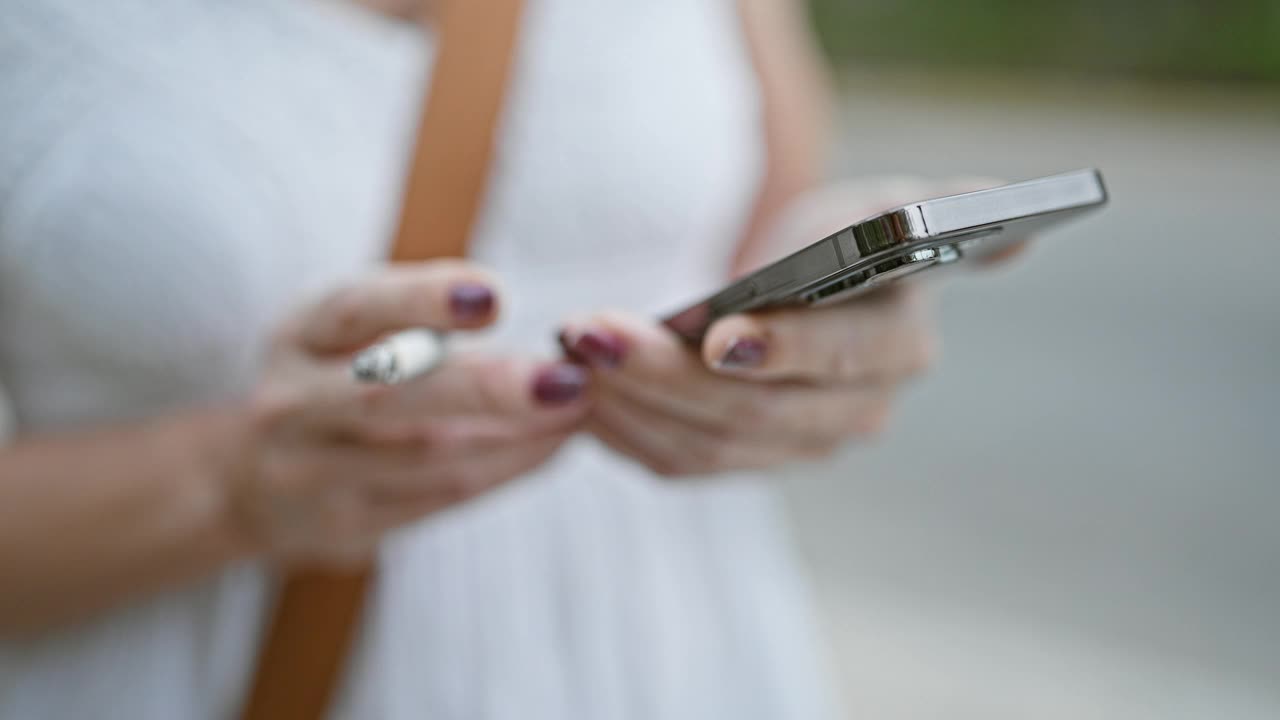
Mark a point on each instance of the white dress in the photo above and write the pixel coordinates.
(175, 176)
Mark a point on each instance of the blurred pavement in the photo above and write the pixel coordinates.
(1075, 516)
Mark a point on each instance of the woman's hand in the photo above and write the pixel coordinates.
(324, 465)
(772, 387)
(766, 389)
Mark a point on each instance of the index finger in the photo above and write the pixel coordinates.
(441, 295)
(465, 386)
(478, 386)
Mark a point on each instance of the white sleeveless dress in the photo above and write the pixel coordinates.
(175, 176)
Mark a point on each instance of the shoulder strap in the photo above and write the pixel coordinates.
(317, 614)
(477, 39)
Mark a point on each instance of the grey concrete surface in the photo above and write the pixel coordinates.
(1076, 514)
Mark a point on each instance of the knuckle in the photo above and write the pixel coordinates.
(290, 340)
(272, 407)
(758, 408)
(345, 311)
(491, 383)
(280, 476)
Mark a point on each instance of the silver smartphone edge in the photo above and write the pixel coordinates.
(896, 243)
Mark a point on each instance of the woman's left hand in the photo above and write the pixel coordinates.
(767, 388)
(770, 387)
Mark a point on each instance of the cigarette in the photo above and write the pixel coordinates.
(399, 358)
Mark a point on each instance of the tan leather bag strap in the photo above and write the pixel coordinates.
(317, 614)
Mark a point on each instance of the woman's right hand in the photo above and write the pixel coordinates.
(322, 465)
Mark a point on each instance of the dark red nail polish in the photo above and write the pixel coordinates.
(566, 346)
(744, 353)
(560, 384)
(470, 302)
(599, 349)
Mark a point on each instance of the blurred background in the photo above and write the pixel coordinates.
(1076, 514)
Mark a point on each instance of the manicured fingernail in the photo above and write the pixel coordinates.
(566, 346)
(560, 384)
(597, 348)
(470, 301)
(744, 353)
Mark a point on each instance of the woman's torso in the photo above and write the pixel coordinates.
(184, 173)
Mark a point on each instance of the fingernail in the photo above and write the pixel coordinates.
(598, 348)
(566, 346)
(744, 353)
(560, 384)
(470, 301)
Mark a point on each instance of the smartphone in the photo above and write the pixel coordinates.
(899, 243)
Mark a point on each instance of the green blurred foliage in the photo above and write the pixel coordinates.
(1235, 39)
